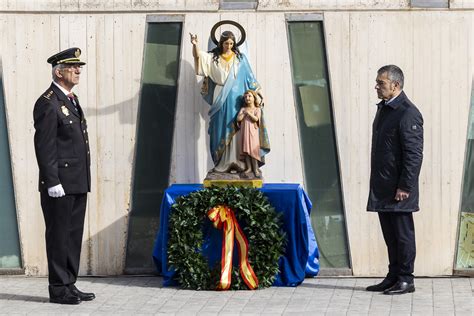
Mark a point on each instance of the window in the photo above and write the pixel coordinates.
(10, 258)
(154, 137)
(430, 3)
(237, 4)
(317, 137)
(465, 251)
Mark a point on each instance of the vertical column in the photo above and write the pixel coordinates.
(10, 257)
(465, 245)
(154, 138)
(318, 139)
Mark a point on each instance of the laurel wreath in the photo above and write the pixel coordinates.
(261, 224)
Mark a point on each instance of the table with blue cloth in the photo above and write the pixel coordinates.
(301, 256)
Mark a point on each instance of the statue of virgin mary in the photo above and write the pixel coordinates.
(227, 75)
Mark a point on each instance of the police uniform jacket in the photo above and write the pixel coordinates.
(397, 154)
(61, 143)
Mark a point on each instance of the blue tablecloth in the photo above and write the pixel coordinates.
(301, 256)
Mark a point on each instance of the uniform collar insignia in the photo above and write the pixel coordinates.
(48, 95)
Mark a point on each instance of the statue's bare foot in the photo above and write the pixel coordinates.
(258, 173)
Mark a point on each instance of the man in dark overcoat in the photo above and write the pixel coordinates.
(397, 154)
(62, 151)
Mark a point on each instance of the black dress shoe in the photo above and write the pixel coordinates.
(400, 288)
(81, 295)
(67, 298)
(382, 286)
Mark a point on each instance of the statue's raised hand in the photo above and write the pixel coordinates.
(194, 38)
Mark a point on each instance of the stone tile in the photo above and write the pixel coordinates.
(319, 296)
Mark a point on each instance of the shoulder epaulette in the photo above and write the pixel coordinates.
(48, 95)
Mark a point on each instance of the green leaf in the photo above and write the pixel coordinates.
(262, 227)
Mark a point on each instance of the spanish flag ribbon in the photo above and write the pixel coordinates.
(223, 217)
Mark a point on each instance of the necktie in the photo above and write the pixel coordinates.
(73, 101)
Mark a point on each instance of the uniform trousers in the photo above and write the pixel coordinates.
(64, 218)
(399, 234)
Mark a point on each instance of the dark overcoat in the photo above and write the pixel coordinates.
(61, 143)
(397, 154)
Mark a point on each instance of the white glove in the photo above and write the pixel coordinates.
(56, 191)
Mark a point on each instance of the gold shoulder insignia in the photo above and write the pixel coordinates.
(48, 95)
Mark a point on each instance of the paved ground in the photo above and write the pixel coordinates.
(320, 296)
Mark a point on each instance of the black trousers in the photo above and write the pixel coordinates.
(64, 218)
(399, 234)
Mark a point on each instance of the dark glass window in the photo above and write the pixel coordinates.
(155, 126)
(430, 3)
(237, 4)
(318, 142)
(465, 251)
(9, 242)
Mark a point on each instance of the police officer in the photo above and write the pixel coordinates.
(62, 152)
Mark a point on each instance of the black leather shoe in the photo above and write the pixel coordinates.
(81, 295)
(67, 298)
(60, 294)
(400, 288)
(382, 286)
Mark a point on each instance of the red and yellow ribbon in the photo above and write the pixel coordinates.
(223, 217)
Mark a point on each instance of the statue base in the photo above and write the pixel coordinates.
(239, 179)
(255, 183)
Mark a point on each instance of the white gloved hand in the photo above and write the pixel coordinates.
(56, 191)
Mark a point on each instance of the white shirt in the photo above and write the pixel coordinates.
(61, 88)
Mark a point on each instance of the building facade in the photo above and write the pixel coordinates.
(316, 61)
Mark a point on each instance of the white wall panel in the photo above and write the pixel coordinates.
(435, 51)
(461, 4)
(207, 5)
(112, 47)
(332, 4)
(434, 48)
(107, 5)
